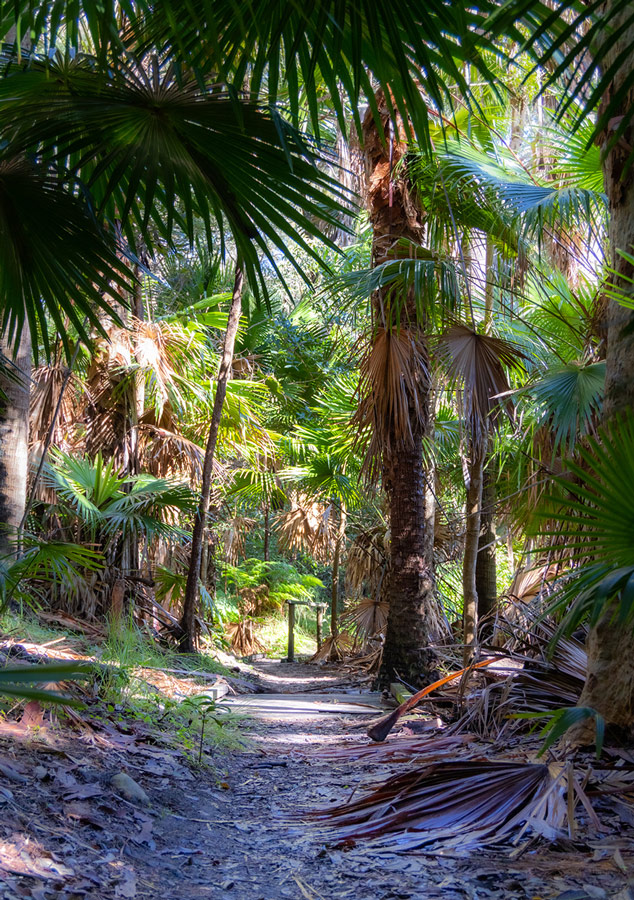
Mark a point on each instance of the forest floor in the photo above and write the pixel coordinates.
(72, 824)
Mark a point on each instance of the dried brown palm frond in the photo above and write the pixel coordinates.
(109, 395)
(368, 617)
(457, 806)
(408, 748)
(476, 361)
(521, 605)
(334, 648)
(393, 388)
(243, 638)
(154, 345)
(167, 454)
(234, 535)
(48, 382)
(256, 601)
(307, 526)
(367, 559)
(539, 677)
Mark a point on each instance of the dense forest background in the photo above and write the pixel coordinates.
(330, 307)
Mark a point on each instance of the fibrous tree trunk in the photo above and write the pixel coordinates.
(475, 470)
(188, 619)
(397, 406)
(410, 582)
(340, 542)
(14, 439)
(486, 568)
(609, 687)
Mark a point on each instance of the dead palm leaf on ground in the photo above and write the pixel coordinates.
(539, 677)
(456, 806)
(334, 648)
(402, 748)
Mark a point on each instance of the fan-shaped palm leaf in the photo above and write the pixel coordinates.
(597, 520)
(149, 144)
(347, 48)
(570, 400)
(476, 362)
(68, 269)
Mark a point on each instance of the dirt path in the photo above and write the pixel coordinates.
(254, 846)
(236, 831)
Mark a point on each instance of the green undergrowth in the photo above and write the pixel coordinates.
(273, 633)
(197, 723)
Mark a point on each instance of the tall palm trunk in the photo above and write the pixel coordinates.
(486, 568)
(188, 619)
(409, 587)
(609, 687)
(475, 469)
(410, 582)
(14, 438)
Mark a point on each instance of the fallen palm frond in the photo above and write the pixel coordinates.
(380, 729)
(334, 648)
(540, 678)
(410, 748)
(457, 806)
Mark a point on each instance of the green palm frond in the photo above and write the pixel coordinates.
(426, 277)
(142, 510)
(597, 519)
(113, 504)
(154, 147)
(569, 401)
(323, 475)
(68, 269)
(570, 41)
(15, 680)
(349, 49)
(526, 199)
(255, 486)
(45, 561)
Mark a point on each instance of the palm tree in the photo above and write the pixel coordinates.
(598, 47)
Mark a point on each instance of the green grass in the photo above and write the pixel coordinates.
(24, 627)
(130, 698)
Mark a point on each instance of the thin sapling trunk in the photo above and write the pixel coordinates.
(188, 619)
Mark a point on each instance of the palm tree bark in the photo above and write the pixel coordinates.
(475, 468)
(188, 620)
(609, 687)
(486, 568)
(14, 440)
(409, 587)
